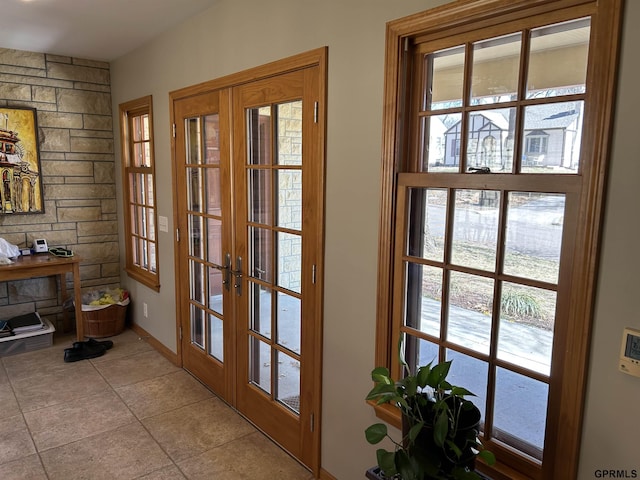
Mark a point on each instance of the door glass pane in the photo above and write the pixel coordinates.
(260, 309)
(259, 136)
(290, 133)
(527, 318)
(215, 290)
(260, 196)
(260, 251)
(490, 139)
(520, 411)
(475, 229)
(441, 143)
(445, 74)
(216, 341)
(288, 385)
(194, 189)
(551, 138)
(212, 192)
(289, 261)
(196, 271)
(197, 326)
(472, 374)
(214, 241)
(289, 322)
(470, 307)
(195, 231)
(566, 47)
(496, 67)
(289, 199)
(427, 218)
(423, 305)
(260, 364)
(193, 141)
(212, 139)
(534, 235)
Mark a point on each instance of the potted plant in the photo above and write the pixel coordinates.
(440, 427)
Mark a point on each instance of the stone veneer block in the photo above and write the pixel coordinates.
(98, 122)
(82, 169)
(79, 214)
(21, 58)
(91, 145)
(59, 120)
(15, 92)
(104, 172)
(34, 290)
(64, 192)
(78, 73)
(97, 228)
(98, 252)
(43, 94)
(84, 102)
(55, 139)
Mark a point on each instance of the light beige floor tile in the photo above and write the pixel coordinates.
(252, 457)
(162, 394)
(126, 344)
(15, 442)
(79, 418)
(41, 361)
(26, 468)
(167, 473)
(57, 386)
(197, 428)
(135, 368)
(8, 402)
(125, 453)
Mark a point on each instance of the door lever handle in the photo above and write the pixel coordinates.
(237, 273)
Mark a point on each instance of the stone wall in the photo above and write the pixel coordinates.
(75, 125)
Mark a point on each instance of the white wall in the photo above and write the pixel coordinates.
(236, 35)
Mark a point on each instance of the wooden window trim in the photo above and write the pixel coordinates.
(569, 383)
(140, 106)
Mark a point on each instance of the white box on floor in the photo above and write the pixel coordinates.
(29, 341)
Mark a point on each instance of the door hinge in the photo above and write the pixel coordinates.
(315, 112)
(177, 235)
(174, 130)
(312, 422)
(313, 274)
(180, 332)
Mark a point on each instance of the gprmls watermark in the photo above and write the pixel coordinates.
(616, 473)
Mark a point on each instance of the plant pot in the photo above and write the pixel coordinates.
(426, 450)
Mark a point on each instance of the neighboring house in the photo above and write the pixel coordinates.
(551, 139)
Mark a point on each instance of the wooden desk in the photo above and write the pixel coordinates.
(45, 265)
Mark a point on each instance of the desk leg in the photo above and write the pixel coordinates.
(77, 295)
(63, 291)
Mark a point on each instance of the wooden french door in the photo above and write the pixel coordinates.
(249, 176)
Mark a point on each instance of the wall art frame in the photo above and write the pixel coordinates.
(21, 189)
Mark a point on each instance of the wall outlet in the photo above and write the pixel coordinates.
(144, 310)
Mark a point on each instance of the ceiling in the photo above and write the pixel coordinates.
(90, 29)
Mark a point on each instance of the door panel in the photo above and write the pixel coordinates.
(249, 167)
(204, 203)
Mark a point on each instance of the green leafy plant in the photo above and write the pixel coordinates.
(440, 427)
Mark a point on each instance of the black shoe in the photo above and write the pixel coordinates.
(92, 341)
(83, 351)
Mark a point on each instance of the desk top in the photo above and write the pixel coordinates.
(37, 262)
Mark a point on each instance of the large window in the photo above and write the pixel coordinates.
(136, 126)
(494, 161)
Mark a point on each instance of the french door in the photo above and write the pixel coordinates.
(249, 169)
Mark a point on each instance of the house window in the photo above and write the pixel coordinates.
(494, 268)
(136, 128)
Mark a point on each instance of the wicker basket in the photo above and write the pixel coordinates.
(105, 322)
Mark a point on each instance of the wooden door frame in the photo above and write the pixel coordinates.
(313, 58)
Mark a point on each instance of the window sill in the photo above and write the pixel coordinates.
(151, 282)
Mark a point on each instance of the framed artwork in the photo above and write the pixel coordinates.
(20, 173)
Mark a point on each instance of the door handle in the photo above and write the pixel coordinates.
(237, 273)
(226, 270)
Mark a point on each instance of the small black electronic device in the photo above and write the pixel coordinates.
(630, 352)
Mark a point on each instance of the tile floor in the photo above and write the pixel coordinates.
(130, 414)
